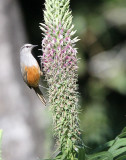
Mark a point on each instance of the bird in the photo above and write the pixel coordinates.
(30, 70)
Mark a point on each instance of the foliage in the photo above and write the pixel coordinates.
(113, 150)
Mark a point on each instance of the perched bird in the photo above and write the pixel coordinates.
(30, 70)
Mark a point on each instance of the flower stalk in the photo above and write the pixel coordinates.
(59, 62)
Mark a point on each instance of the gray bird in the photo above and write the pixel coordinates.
(30, 70)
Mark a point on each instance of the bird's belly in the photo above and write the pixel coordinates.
(33, 75)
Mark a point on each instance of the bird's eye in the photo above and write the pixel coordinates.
(26, 46)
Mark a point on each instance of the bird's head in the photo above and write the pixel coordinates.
(27, 47)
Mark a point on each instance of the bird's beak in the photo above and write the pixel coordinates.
(33, 46)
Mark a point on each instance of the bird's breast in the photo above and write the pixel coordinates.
(27, 59)
(33, 75)
(30, 69)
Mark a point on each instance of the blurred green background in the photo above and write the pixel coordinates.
(101, 26)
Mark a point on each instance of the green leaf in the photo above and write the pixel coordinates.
(124, 129)
(100, 156)
(119, 151)
(113, 145)
(121, 158)
(123, 133)
(117, 144)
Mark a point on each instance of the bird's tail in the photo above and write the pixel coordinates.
(40, 95)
